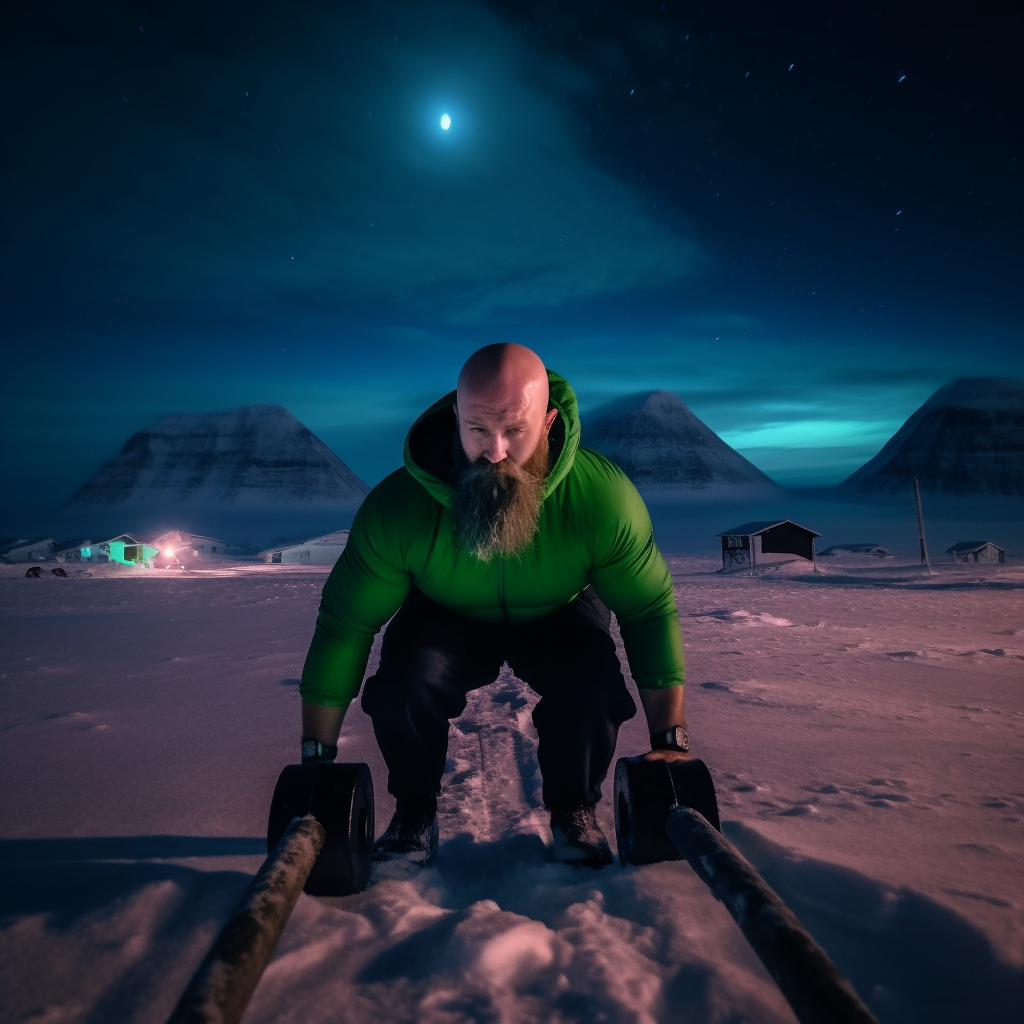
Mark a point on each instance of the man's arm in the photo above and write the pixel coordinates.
(664, 709)
(321, 722)
(365, 588)
(631, 577)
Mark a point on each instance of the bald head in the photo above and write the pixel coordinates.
(507, 366)
(502, 403)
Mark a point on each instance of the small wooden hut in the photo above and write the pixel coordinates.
(979, 550)
(747, 545)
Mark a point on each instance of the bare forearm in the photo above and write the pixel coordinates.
(322, 723)
(664, 708)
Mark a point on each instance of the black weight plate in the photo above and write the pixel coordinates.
(340, 797)
(645, 791)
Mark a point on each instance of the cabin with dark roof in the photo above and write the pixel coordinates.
(979, 550)
(753, 544)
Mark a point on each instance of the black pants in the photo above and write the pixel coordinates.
(431, 658)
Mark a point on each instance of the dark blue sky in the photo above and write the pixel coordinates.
(803, 218)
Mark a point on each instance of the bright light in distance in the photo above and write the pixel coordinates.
(169, 553)
(446, 122)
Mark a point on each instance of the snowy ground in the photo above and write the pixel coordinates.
(864, 727)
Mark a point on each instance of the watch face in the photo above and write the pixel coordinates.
(676, 739)
(671, 739)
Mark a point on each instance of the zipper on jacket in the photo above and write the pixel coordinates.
(501, 591)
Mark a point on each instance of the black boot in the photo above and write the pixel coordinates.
(412, 834)
(578, 838)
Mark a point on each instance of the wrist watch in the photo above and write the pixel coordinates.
(671, 739)
(314, 750)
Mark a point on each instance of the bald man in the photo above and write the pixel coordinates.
(501, 540)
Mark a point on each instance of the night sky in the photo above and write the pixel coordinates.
(802, 218)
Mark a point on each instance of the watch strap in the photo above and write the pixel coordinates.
(671, 739)
(313, 750)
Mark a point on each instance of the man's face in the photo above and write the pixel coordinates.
(497, 499)
(498, 422)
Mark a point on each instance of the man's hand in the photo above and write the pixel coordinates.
(667, 755)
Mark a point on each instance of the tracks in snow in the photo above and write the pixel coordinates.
(492, 785)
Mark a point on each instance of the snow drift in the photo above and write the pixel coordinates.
(968, 438)
(659, 443)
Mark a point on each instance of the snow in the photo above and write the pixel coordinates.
(252, 456)
(863, 726)
(660, 443)
(995, 394)
(968, 438)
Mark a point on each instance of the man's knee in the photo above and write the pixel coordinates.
(598, 696)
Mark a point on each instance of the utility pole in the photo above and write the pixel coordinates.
(920, 528)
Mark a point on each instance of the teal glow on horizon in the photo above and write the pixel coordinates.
(344, 260)
(812, 433)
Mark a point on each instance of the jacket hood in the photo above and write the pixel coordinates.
(429, 443)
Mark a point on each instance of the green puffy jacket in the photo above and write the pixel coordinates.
(593, 529)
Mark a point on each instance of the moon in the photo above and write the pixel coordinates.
(446, 122)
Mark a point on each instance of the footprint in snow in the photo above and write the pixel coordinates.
(799, 811)
(827, 790)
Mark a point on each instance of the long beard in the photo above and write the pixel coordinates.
(496, 508)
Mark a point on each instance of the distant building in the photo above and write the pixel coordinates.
(752, 544)
(856, 549)
(979, 550)
(124, 549)
(178, 541)
(77, 550)
(21, 550)
(316, 551)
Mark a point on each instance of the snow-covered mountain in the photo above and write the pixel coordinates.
(968, 438)
(658, 442)
(249, 457)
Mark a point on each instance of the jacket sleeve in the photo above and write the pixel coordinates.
(630, 576)
(366, 587)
